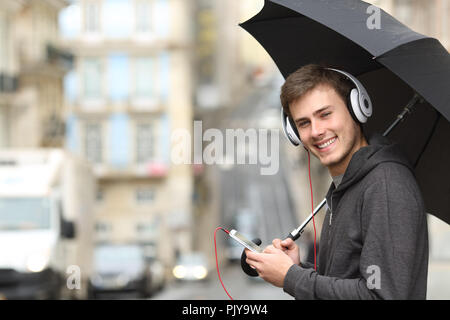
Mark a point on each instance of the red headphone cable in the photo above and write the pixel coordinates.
(217, 263)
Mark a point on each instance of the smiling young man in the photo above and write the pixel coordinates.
(374, 240)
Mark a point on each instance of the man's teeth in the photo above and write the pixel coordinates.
(326, 144)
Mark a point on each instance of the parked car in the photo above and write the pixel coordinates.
(120, 268)
(191, 267)
(156, 268)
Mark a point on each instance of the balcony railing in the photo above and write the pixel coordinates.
(154, 169)
(59, 56)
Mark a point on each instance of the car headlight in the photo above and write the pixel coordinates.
(97, 280)
(122, 280)
(200, 272)
(179, 272)
(37, 261)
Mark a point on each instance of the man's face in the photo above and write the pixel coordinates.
(326, 127)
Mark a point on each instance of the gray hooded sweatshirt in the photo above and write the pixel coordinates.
(374, 239)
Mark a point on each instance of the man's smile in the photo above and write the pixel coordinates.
(325, 145)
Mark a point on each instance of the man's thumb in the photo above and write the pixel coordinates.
(287, 242)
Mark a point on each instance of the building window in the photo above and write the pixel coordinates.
(118, 77)
(145, 143)
(92, 78)
(147, 233)
(100, 196)
(69, 21)
(92, 17)
(143, 16)
(119, 140)
(144, 195)
(93, 142)
(103, 231)
(70, 86)
(161, 18)
(102, 227)
(117, 18)
(144, 72)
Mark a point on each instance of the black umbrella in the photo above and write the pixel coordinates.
(393, 63)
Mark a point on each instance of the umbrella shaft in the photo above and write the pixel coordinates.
(403, 114)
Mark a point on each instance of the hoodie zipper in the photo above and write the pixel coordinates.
(331, 210)
(330, 220)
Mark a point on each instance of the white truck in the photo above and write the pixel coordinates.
(46, 224)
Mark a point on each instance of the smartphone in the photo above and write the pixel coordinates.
(245, 242)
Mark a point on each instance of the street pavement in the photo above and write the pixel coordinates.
(238, 284)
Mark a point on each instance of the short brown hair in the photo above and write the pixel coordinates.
(307, 78)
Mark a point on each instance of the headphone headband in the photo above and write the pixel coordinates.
(363, 106)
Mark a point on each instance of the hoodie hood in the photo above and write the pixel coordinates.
(379, 150)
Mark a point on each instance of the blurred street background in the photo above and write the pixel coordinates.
(92, 205)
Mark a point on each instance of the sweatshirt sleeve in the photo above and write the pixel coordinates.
(392, 222)
(307, 284)
(307, 265)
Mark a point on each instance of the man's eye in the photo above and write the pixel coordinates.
(303, 124)
(326, 114)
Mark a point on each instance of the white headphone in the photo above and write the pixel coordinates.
(358, 103)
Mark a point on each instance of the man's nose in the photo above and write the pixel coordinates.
(317, 130)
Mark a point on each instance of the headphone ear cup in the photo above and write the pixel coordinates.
(292, 128)
(359, 104)
(289, 129)
(351, 106)
(355, 107)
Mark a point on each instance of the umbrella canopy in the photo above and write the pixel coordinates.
(393, 62)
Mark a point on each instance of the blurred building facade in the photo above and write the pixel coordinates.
(129, 89)
(32, 67)
(142, 69)
(429, 17)
(228, 61)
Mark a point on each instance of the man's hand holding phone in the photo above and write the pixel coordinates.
(272, 264)
(274, 261)
(289, 247)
